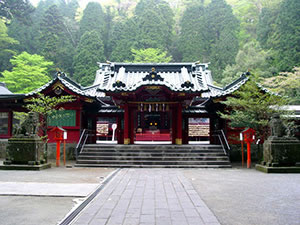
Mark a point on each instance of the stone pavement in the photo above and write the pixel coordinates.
(147, 196)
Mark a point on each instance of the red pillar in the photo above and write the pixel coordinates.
(126, 125)
(131, 129)
(57, 153)
(174, 125)
(248, 154)
(179, 124)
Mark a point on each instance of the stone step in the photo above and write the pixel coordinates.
(159, 158)
(178, 154)
(185, 147)
(153, 162)
(164, 156)
(153, 166)
(153, 150)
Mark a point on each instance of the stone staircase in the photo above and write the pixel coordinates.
(155, 156)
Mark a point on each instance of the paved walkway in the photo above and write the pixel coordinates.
(147, 196)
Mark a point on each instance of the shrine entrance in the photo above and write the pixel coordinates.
(153, 127)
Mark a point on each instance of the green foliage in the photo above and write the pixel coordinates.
(287, 35)
(286, 84)
(150, 55)
(45, 106)
(29, 72)
(154, 20)
(123, 39)
(92, 19)
(279, 30)
(15, 8)
(222, 33)
(150, 27)
(251, 107)
(90, 50)
(209, 34)
(7, 45)
(193, 43)
(250, 58)
(56, 42)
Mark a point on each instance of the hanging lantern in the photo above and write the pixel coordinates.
(149, 107)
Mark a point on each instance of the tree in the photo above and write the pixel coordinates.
(286, 84)
(154, 23)
(222, 30)
(210, 34)
(287, 36)
(92, 20)
(250, 58)
(7, 45)
(150, 55)
(251, 106)
(45, 106)
(90, 50)
(28, 73)
(15, 8)
(56, 43)
(193, 43)
(123, 39)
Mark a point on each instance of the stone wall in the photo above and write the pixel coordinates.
(236, 153)
(70, 150)
(3, 145)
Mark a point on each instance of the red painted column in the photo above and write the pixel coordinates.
(248, 155)
(179, 124)
(57, 153)
(174, 125)
(126, 124)
(131, 126)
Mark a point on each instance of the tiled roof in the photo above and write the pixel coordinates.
(189, 77)
(215, 91)
(4, 90)
(72, 85)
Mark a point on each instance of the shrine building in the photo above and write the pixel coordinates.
(134, 103)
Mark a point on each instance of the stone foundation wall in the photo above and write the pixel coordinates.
(70, 150)
(3, 145)
(236, 153)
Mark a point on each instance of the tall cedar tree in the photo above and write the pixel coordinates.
(209, 35)
(55, 41)
(28, 34)
(93, 19)
(222, 27)
(29, 72)
(155, 21)
(287, 35)
(123, 39)
(90, 50)
(150, 27)
(15, 9)
(193, 43)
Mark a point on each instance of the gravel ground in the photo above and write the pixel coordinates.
(248, 197)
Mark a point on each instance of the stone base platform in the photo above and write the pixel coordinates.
(25, 167)
(266, 169)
